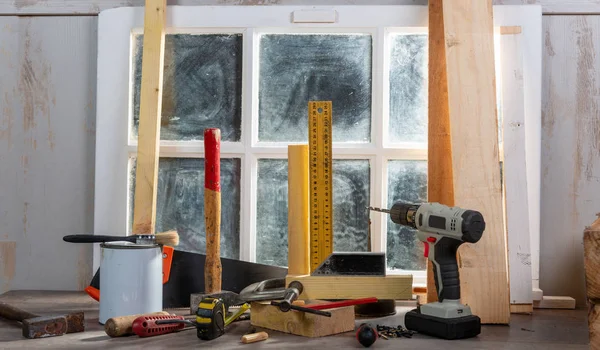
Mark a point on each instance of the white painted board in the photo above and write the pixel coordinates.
(530, 20)
(515, 170)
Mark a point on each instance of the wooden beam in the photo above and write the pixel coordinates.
(551, 302)
(469, 30)
(397, 287)
(440, 187)
(521, 309)
(267, 316)
(591, 261)
(144, 213)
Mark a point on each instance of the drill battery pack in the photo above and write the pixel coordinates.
(445, 328)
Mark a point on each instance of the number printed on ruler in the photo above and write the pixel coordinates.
(321, 181)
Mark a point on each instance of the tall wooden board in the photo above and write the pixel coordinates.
(514, 168)
(144, 211)
(439, 151)
(468, 28)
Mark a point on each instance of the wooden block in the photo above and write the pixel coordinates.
(469, 37)
(510, 30)
(591, 254)
(440, 186)
(295, 322)
(395, 287)
(594, 326)
(521, 309)
(146, 178)
(537, 294)
(298, 207)
(551, 302)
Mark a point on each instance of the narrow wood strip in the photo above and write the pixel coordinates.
(146, 177)
(440, 186)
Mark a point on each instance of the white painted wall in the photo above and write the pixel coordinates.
(94, 6)
(47, 133)
(570, 149)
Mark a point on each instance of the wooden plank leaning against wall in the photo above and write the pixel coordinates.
(469, 37)
(146, 179)
(514, 170)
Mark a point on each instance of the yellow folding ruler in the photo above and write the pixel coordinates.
(321, 180)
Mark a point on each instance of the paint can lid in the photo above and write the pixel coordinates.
(127, 245)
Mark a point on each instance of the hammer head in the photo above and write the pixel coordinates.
(75, 322)
(44, 326)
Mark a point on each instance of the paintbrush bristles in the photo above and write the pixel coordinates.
(170, 238)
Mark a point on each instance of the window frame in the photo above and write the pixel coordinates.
(114, 100)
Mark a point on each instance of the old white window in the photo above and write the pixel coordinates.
(250, 71)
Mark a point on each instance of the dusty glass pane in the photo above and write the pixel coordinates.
(351, 188)
(271, 212)
(202, 86)
(298, 68)
(408, 88)
(350, 219)
(180, 203)
(407, 181)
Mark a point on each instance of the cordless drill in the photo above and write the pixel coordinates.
(443, 229)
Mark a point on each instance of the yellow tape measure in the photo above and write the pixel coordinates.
(321, 182)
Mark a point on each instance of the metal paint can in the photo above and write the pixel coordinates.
(130, 279)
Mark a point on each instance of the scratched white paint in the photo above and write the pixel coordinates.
(570, 150)
(95, 6)
(47, 140)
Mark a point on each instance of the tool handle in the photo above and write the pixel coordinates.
(122, 325)
(212, 209)
(96, 238)
(14, 313)
(150, 325)
(445, 268)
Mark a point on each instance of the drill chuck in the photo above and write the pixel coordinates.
(401, 213)
(404, 214)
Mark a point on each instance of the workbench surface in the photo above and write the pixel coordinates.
(546, 329)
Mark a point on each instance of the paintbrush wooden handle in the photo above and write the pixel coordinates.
(212, 209)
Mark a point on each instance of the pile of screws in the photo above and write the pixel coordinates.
(394, 332)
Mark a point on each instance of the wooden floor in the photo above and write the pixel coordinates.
(546, 329)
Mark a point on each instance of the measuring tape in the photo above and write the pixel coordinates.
(321, 182)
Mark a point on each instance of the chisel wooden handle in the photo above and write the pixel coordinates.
(212, 209)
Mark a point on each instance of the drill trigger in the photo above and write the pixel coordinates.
(426, 251)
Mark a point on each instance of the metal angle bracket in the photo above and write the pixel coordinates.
(352, 264)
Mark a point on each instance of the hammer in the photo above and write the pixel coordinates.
(36, 326)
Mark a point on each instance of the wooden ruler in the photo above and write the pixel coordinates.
(321, 179)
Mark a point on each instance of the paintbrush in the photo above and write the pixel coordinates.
(170, 238)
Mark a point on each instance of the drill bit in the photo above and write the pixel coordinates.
(379, 209)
